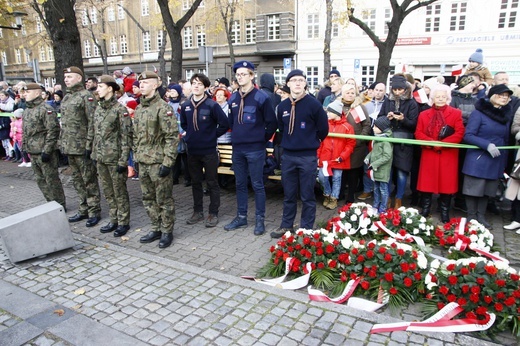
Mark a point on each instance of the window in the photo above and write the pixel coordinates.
(388, 18)
(113, 46)
(120, 11)
(84, 18)
(369, 17)
(313, 26)
(1, 33)
(50, 53)
(273, 27)
(43, 54)
(147, 42)
(18, 55)
(186, 4)
(4, 58)
(160, 39)
(312, 76)
(88, 52)
(93, 15)
(201, 35)
(188, 37)
(97, 52)
(38, 24)
(335, 25)
(123, 45)
(507, 16)
(189, 73)
(24, 30)
(145, 8)
(235, 32)
(111, 14)
(368, 74)
(279, 76)
(250, 31)
(458, 16)
(27, 55)
(433, 18)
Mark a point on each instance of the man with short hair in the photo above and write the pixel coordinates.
(253, 123)
(326, 91)
(501, 78)
(303, 124)
(91, 84)
(41, 131)
(77, 111)
(204, 121)
(156, 137)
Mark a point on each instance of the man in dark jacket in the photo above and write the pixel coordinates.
(326, 91)
(267, 85)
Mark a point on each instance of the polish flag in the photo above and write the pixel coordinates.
(420, 96)
(358, 114)
(327, 170)
(370, 173)
(456, 70)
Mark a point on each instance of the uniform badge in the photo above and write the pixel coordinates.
(49, 112)
(125, 114)
(188, 108)
(169, 113)
(302, 125)
(244, 63)
(91, 99)
(285, 114)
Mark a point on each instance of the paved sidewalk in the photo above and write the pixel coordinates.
(118, 292)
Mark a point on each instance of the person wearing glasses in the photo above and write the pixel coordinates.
(303, 124)
(253, 122)
(488, 128)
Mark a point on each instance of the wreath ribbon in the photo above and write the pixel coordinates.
(398, 236)
(294, 284)
(442, 321)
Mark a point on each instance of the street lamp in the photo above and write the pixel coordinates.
(18, 21)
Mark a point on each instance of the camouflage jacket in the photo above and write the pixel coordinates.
(77, 126)
(112, 133)
(156, 134)
(41, 128)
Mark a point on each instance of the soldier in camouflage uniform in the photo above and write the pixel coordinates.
(110, 149)
(77, 112)
(155, 139)
(40, 139)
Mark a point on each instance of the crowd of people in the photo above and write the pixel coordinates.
(128, 125)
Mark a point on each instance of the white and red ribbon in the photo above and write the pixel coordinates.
(294, 284)
(317, 295)
(398, 236)
(442, 321)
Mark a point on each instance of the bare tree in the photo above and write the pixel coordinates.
(162, 59)
(227, 9)
(328, 37)
(386, 47)
(59, 19)
(175, 32)
(98, 34)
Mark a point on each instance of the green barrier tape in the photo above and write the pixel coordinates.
(9, 115)
(416, 141)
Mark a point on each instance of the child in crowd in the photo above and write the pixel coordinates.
(16, 136)
(334, 154)
(476, 64)
(132, 165)
(380, 160)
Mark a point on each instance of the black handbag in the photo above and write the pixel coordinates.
(446, 131)
(515, 172)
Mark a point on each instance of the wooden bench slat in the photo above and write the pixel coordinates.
(226, 160)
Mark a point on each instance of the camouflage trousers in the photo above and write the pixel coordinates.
(84, 179)
(116, 194)
(157, 197)
(48, 178)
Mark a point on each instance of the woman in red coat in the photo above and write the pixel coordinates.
(438, 171)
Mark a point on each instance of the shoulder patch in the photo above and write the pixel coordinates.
(169, 113)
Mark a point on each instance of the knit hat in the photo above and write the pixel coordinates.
(59, 93)
(285, 89)
(135, 83)
(74, 69)
(463, 81)
(175, 87)
(224, 80)
(430, 83)
(132, 104)
(373, 86)
(294, 73)
(398, 82)
(477, 56)
(499, 89)
(335, 107)
(110, 81)
(382, 123)
(243, 63)
(127, 70)
(118, 74)
(336, 72)
(18, 113)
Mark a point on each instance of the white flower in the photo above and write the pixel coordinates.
(422, 226)
(408, 221)
(353, 217)
(363, 231)
(346, 242)
(422, 262)
(342, 214)
(357, 211)
(415, 231)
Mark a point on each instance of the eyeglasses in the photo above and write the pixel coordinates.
(241, 74)
(297, 80)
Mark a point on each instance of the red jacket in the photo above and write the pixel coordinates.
(128, 81)
(333, 147)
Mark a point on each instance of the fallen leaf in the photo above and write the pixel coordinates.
(125, 238)
(222, 268)
(194, 248)
(77, 307)
(138, 230)
(59, 312)
(79, 291)
(106, 246)
(62, 20)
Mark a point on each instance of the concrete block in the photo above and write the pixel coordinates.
(36, 232)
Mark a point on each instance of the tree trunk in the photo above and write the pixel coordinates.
(176, 58)
(162, 60)
(60, 23)
(328, 37)
(383, 63)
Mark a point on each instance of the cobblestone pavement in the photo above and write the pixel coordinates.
(107, 291)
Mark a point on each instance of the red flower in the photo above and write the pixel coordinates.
(360, 258)
(475, 289)
(491, 270)
(443, 290)
(501, 295)
(499, 307)
(417, 276)
(316, 236)
(290, 239)
(440, 305)
(371, 246)
(481, 281)
(370, 254)
(395, 222)
(408, 282)
(451, 298)
(475, 298)
(481, 310)
(472, 265)
(500, 283)
(319, 251)
(393, 291)
(382, 250)
(471, 315)
(389, 277)
(272, 248)
(306, 240)
(333, 264)
(465, 289)
(514, 277)
(464, 271)
(365, 285)
(405, 267)
(335, 242)
(462, 301)
(488, 299)
(510, 301)
(321, 265)
(355, 251)
(402, 232)
(452, 280)
(400, 252)
(388, 257)
(414, 254)
(330, 249)
(450, 267)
